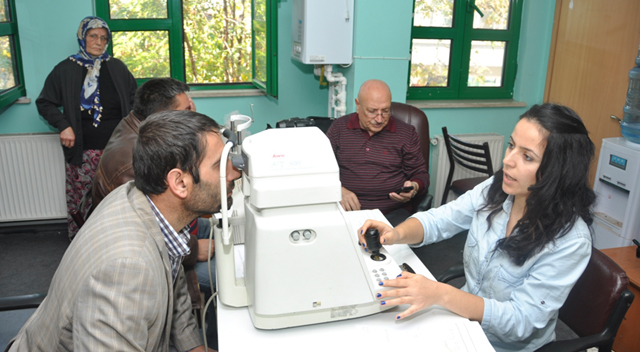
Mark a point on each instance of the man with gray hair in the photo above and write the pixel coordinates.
(381, 166)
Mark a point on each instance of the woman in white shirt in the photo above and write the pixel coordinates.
(528, 242)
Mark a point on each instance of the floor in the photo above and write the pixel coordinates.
(29, 256)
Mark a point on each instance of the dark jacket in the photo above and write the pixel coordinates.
(116, 164)
(62, 88)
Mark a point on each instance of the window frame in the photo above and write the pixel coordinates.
(10, 28)
(173, 25)
(462, 34)
(271, 85)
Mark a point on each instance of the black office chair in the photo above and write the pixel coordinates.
(21, 302)
(475, 157)
(594, 308)
(418, 119)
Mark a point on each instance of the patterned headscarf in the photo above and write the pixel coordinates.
(90, 95)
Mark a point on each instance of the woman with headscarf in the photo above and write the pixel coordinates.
(95, 91)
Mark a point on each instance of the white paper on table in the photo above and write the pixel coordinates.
(357, 218)
(455, 336)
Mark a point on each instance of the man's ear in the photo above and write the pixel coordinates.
(179, 182)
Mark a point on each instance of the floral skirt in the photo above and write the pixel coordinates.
(79, 183)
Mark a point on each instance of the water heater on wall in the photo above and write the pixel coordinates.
(322, 31)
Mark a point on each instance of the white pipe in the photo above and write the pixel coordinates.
(223, 192)
(330, 105)
(337, 91)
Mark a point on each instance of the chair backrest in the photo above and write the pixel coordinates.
(589, 306)
(472, 156)
(475, 157)
(418, 119)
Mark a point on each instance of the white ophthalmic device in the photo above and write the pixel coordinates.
(303, 264)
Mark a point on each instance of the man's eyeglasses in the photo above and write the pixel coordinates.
(96, 37)
(373, 114)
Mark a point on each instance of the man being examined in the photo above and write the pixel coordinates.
(120, 285)
(115, 169)
(377, 155)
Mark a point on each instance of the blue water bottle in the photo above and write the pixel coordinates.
(630, 125)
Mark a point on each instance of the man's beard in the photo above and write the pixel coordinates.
(206, 198)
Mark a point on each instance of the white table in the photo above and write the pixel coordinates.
(433, 329)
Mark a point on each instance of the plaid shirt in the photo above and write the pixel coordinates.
(177, 242)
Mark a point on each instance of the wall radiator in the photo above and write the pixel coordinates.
(440, 162)
(32, 177)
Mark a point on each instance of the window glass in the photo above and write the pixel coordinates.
(430, 62)
(209, 44)
(146, 53)
(496, 14)
(217, 41)
(11, 77)
(7, 78)
(433, 13)
(260, 39)
(475, 57)
(3, 11)
(130, 9)
(486, 63)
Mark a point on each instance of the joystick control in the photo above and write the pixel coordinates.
(372, 237)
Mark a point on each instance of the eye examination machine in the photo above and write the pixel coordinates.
(302, 261)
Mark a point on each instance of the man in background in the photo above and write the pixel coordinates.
(377, 156)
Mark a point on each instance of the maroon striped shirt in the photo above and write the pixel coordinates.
(374, 166)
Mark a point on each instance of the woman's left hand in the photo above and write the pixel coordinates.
(415, 290)
(67, 137)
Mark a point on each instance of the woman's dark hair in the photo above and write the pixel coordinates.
(157, 94)
(168, 140)
(561, 193)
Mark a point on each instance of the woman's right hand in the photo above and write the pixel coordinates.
(67, 137)
(388, 235)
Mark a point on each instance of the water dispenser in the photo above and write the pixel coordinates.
(617, 186)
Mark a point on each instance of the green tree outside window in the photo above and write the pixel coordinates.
(209, 44)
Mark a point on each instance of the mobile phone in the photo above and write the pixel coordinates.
(404, 189)
(406, 267)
